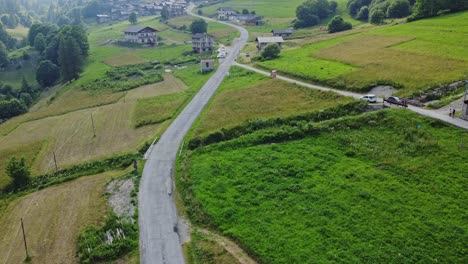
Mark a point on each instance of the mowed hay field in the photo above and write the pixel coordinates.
(383, 187)
(413, 56)
(70, 135)
(53, 218)
(245, 95)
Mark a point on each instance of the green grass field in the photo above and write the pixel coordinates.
(14, 77)
(277, 13)
(246, 95)
(383, 187)
(413, 56)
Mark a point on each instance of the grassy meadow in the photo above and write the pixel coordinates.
(277, 14)
(411, 56)
(383, 187)
(245, 95)
(53, 219)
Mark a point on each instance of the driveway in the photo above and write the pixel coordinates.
(429, 113)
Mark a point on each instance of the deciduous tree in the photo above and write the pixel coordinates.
(47, 73)
(271, 51)
(133, 18)
(198, 26)
(19, 172)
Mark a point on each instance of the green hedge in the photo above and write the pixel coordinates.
(353, 108)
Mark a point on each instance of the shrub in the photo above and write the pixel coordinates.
(337, 24)
(11, 108)
(363, 13)
(271, 51)
(19, 172)
(377, 17)
(398, 9)
(47, 73)
(94, 246)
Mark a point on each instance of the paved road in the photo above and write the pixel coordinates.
(159, 240)
(429, 113)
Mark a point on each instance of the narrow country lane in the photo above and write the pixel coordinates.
(429, 113)
(159, 240)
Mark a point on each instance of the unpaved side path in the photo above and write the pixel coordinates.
(429, 113)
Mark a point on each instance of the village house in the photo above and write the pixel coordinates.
(141, 34)
(263, 41)
(226, 13)
(282, 32)
(101, 18)
(202, 42)
(249, 19)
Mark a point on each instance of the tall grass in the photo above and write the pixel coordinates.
(384, 187)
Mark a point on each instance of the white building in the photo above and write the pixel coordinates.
(141, 34)
(226, 13)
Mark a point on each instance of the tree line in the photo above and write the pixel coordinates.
(62, 51)
(376, 11)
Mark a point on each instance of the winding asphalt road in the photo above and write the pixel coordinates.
(158, 221)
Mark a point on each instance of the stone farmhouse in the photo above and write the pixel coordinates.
(202, 42)
(263, 41)
(141, 35)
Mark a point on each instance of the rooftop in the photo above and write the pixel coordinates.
(269, 39)
(136, 29)
(200, 35)
(283, 31)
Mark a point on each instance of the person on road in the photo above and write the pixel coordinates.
(450, 112)
(453, 113)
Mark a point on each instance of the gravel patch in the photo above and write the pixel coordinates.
(120, 198)
(383, 90)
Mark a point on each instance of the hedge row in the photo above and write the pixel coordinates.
(353, 108)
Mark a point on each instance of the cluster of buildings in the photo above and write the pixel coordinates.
(117, 10)
(201, 42)
(228, 13)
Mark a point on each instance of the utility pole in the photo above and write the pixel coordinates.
(55, 161)
(92, 122)
(24, 239)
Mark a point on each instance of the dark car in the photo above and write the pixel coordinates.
(396, 100)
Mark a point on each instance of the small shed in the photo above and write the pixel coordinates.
(273, 74)
(282, 32)
(263, 41)
(206, 65)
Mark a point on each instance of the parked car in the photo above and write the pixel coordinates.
(221, 55)
(396, 100)
(371, 98)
